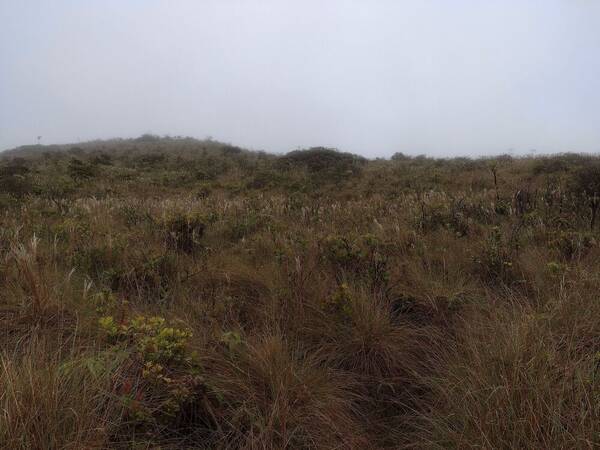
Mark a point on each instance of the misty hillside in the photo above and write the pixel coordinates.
(191, 163)
(394, 243)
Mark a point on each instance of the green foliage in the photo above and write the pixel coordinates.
(155, 341)
(361, 257)
(399, 156)
(340, 303)
(264, 179)
(230, 150)
(550, 166)
(555, 268)
(453, 217)
(151, 338)
(133, 216)
(165, 377)
(102, 159)
(151, 160)
(99, 262)
(502, 207)
(343, 252)
(15, 180)
(109, 326)
(148, 137)
(325, 165)
(79, 170)
(244, 226)
(151, 278)
(496, 260)
(58, 189)
(232, 340)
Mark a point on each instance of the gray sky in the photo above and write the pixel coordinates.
(372, 77)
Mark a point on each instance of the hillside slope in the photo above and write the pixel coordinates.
(176, 293)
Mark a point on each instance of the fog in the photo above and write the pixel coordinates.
(372, 77)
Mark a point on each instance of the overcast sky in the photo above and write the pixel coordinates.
(446, 77)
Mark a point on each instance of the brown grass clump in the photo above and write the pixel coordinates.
(520, 377)
(47, 402)
(274, 397)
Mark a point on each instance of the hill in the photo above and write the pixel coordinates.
(180, 293)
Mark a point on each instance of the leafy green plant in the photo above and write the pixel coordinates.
(343, 252)
(340, 303)
(231, 339)
(164, 376)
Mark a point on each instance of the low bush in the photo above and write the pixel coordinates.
(183, 232)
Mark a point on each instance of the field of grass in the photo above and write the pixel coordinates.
(177, 294)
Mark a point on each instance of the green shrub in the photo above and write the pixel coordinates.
(79, 170)
(183, 232)
(359, 257)
(15, 180)
(496, 262)
(164, 377)
(325, 165)
(133, 216)
(149, 279)
(340, 303)
(243, 226)
(98, 262)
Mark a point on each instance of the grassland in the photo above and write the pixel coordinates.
(176, 294)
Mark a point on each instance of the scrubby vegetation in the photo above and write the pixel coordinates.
(174, 293)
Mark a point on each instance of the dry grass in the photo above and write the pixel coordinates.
(276, 397)
(520, 377)
(212, 298)
(48, 401)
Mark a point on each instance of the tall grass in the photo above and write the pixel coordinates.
(172, 293)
